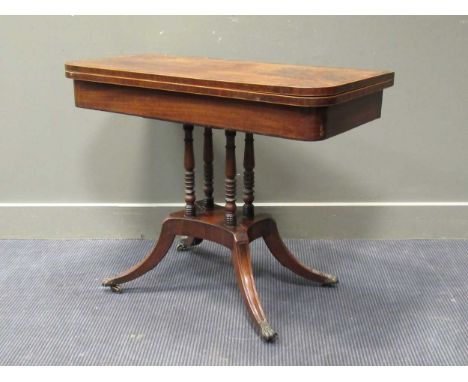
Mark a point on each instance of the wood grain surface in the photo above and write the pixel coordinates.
(266, 82)
(307, 124)
(287, 101)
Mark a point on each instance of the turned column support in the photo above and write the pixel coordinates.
(189, 178)
(230, 179)
(249, 177)
(208, 168)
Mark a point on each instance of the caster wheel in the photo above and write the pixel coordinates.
(267, 332)
(116, 289)
(181, 247)
(331, 283)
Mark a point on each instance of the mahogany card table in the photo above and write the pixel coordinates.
(287, 101)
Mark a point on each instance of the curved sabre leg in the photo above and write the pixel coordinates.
(149, 262)
(279, 250)
(246, 283)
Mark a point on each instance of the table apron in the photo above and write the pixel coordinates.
(292, 122)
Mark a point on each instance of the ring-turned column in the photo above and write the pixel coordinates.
(189, 177)
(249, 179)
(230, 179)
(208, 168)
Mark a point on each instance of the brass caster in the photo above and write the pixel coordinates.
(267, 333)
(181, 247)
(333, 280)
(113, 287)
(116, 289)
(185, 244)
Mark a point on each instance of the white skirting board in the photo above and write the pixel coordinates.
(389, 220)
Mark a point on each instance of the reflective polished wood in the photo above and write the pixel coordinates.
(287, 101)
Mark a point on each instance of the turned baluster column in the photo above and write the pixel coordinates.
(230, 180)
(249, 179)
(189, 165)
(208, 168)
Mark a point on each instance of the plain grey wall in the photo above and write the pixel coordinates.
(52, 152)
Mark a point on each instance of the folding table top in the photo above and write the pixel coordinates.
(288, 101)
(265, 82)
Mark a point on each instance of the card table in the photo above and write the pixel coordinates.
(287, 101)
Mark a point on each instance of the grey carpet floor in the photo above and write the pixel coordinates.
(398, 303)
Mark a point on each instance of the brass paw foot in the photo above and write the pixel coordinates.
(267, 333)
(113, 287)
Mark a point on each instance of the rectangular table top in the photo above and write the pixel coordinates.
(266, 82)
